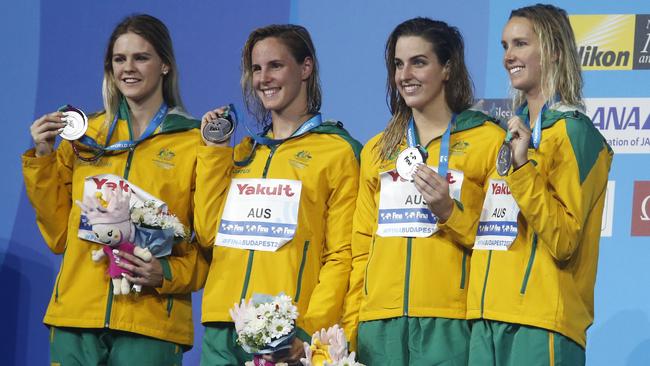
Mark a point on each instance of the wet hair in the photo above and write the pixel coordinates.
(298, 41)
(447, 44)
(560, 64)
(156, 33)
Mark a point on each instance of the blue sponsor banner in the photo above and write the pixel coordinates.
(406, 215)
(254, 228)
(506, 228)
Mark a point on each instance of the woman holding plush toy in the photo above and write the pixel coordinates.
(144, 145)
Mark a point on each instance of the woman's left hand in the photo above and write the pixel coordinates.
(292, 356)
(521, 135)
(435, 191)
(144, 273)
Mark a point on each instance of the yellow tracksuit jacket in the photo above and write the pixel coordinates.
(546, 279)
(163, 165)
(313, 267)
(419, 277)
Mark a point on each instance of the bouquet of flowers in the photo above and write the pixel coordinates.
(328, 348)
(157, 229)
(264, 325)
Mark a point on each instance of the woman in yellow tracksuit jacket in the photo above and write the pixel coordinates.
(407, 292)
(280, 81)
(89, 325)
(535, 299)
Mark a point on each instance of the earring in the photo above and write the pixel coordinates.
(164, 72)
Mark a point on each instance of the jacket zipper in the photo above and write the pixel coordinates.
(56, 295)
(463, 273)
(251, 253)
(529, 267)
(407, 275)
(487, 272)
(170, 304)
(109, 305)
(302, 268)
(365, 280)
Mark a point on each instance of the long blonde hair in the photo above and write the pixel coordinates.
(447, 44)
(297, 39)
(156, 33)
(560, 65)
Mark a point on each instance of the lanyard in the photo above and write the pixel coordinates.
(537, 129)
(309, 125)
(443, 161)
(261, 139)
(127, 144)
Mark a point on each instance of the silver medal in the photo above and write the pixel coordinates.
(76, 123)
(407, 161)
(218, 130)
(504, 159)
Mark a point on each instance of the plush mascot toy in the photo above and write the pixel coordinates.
(111, 222)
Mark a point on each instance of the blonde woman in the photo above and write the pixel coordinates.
(533, 299)
(143, 137)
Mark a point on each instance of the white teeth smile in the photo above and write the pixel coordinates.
(130, 80)
(270, 92)
(410, 88)
(516, 69)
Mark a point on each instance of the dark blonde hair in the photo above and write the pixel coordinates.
(560, 64)
(447, 44)
(300, 45)
(156, 33)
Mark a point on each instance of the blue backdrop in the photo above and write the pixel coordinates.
(53, 54)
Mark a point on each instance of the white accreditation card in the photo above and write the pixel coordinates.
(98, 184)
(402, 209)
(260, 214)
(497, 227)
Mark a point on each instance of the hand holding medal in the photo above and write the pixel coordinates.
(435, 191)
(408, 161)
(76, 123)
(68, 122)
(217, 126)
(519, 142)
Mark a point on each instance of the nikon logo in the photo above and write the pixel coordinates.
(591, 56)
(612, 42)
(605, 42)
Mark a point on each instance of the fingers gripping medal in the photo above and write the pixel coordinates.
(76, 123)
(220, 129)
(408, 160)
(504, 157)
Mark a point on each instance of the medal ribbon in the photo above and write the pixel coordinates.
(309, 125)
(443, 160)
(261, 139)
(127, 144)
(537, 129)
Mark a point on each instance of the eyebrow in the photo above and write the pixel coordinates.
(517, 39)
(134, 53)
(413, 57)
(268, 62)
